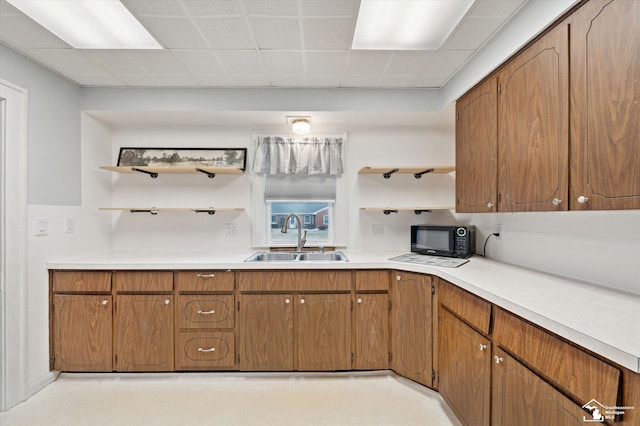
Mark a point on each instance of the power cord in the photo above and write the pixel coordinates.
(484, 249)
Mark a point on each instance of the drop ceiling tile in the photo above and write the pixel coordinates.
(325, 63)
(240, 62)
(21, 32)
(321, 81)
(496, 7)
(397, 81)
(226, 33)
(174, 32)
(406, 62)
(114, 61)
(327, 33)
(285, 63)
(330, 8)
(473, 33)
(277, 33)
(66, 61)
(97, 80)
(139, 80)
(199, 61)
(155, 7)
(367, 62)
(448, 62)
(176, 80)
(287, 80)
(360, 81)
(213, 80)
(272, 7)
(213, 7)
(250, 80)
(157, 62)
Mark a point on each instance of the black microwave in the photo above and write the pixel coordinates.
(448, 241)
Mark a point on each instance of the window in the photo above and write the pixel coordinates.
(318, 230)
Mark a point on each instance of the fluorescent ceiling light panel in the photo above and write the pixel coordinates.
(89, 24)
(407, 24)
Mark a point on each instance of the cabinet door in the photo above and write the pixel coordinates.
(371, 324)
(411, 327)
(266, 339)
(144, 333)
(519, 397)
(82, 333)
(323, 331)
(533, 144)
(605, 105)
(464, 369)
(477, 150)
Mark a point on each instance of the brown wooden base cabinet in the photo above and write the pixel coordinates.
(371, 320)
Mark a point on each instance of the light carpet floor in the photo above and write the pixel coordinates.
(231, 399)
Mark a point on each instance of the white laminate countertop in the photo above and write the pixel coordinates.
(602, 320)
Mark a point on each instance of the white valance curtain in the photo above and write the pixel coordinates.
(298, 155)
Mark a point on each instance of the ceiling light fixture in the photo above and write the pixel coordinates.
(89, 24)
(300, 125)
(407, 24)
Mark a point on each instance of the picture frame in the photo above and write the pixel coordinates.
(183, 157)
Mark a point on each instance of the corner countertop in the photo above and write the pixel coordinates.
(602, 320)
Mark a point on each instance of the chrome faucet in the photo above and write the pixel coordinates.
(301, 240)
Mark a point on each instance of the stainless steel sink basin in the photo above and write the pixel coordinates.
(292, 256)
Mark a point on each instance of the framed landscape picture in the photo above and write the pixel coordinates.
(183, 157)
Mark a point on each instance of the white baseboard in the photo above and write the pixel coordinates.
(41, 383)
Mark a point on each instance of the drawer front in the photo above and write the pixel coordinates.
(204, 281)
(205, 350)
(81, 282)
(578, 373)
(470, 308)
(372, 280)
(205, 311)
(143, 281)
(330, 281)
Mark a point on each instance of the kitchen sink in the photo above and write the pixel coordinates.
(293, 256)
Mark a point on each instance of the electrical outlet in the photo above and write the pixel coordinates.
(69, 225)
(498, 229)
(376, 230)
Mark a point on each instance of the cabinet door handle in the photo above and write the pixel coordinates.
(582, 199)
(398, 277)
(206, 350)
(205, 275)
(104, 302)
(167, 301)
(489, 205)
(482, 347)
(302, 301)
(556, 201)
(287, 301)
(213, 311)
(359, 299)
(498, 359)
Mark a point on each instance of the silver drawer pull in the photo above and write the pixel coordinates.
(213, 311)
(205, 275)
(206, 350)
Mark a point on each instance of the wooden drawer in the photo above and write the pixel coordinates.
(81, 282)
(470, 308)
(205, 311)
(205, 350)
(143, 281)
(577, 373)
(265, 281)
(372, 280)
(204, 281)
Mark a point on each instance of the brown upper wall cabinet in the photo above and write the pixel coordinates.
(565, 112)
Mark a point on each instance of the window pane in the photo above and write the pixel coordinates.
(313, 214)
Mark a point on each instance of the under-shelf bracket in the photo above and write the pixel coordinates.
(152, 174)
(210, 212)
(153, 212)
(389, 173)
(389, 211)
(209, 174)
(419, 211)
(419, 175)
